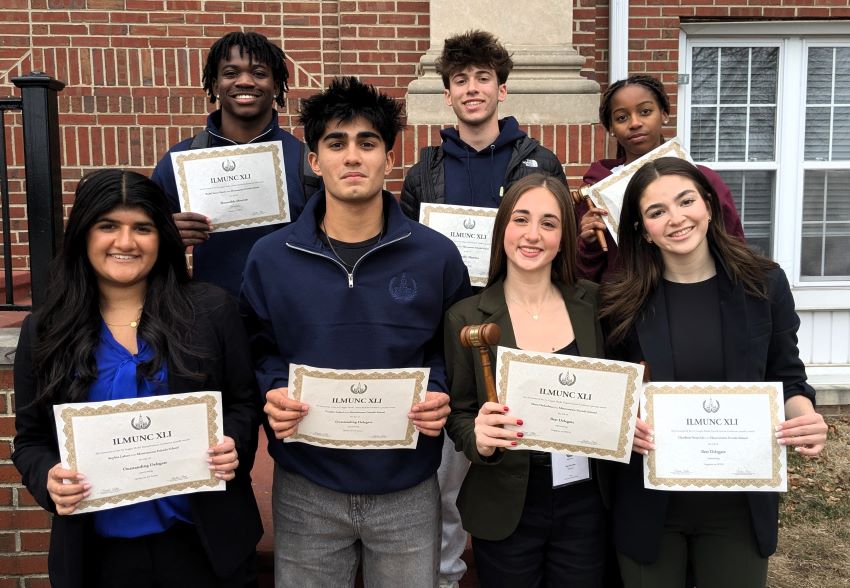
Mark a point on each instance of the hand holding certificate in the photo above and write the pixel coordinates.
(715, 436)
(237, 186)
(357, 409)
(132, 450)
(577, 405)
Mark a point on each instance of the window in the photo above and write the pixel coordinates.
(768, 107)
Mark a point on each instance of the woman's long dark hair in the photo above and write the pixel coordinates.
(642, 266)
(564, 264)
(69, 323)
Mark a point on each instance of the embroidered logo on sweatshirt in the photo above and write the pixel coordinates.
(402, 288)
(530, 163)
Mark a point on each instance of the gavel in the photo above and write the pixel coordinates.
(583, 193)
(481, 337)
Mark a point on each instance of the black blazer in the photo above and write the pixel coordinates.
(228, 522)
(760, 345)
(493, 493)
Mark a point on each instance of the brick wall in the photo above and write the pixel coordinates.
(133, 75)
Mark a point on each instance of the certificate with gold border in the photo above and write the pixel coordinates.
(571, 404)
(237, 186)
(715, 436)
(608, 193)
(357, 409)
(470, 228)
(138, 449)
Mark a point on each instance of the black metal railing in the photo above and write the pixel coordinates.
(39, 109)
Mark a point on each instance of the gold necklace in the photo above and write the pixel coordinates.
(534, 315)
(132, 324)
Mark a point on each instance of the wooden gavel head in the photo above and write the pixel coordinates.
(579, 195)
(479, 336)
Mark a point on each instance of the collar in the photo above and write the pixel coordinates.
(214, 128)
(305, 230)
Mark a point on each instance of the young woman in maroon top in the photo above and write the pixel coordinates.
(634, 111)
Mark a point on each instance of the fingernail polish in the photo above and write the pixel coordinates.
(519, 434)
(519, 421)
(513, 443)
(506, 409)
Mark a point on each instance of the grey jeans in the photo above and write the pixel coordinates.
(321, 534)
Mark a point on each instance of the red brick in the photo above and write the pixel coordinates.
(35, 541)
(24, 519)
(23, 564)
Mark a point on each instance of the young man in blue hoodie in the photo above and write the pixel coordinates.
(352, 284)
(474, 167)
(246, 74)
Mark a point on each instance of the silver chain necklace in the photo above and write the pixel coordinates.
(338, 256)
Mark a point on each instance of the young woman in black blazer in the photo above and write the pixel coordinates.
(698, 305)
(122, 320)
(524, 531)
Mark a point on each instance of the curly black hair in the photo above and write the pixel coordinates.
(473, 48)
(346, 99)
(259, 49)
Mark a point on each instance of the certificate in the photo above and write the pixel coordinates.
(569, 404)
(238, 186)
(357, 409)
(137, 449)
(608, 193)
(471, 230)
(715, 436)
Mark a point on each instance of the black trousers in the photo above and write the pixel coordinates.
(172, 559)
(559, 542)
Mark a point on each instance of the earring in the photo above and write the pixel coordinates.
(612, 134)
(218, 96)
(666, 121)
(709, 219)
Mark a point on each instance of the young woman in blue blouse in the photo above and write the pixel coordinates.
(123, 320)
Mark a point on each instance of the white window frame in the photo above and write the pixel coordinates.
(793, 39)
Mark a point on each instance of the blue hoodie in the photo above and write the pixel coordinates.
(220, 260)
(302, 306)
(475, 178)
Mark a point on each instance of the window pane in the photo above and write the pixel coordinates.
(734, 78)
(819, 79)
(817, 134)
(826, 225)
(753, 193)
(733, 134)
(842, 75)
(762, 125)
(704, 75)
(841, 133)
(827, 107)
(745, 128)
(703, 125)
(765, 73)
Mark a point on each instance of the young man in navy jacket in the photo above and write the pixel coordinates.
(246, 74)
(474, 166)
(352, 284)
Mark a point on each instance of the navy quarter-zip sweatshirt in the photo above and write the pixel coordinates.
(303, 306)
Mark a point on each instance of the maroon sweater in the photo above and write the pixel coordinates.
(600, 266)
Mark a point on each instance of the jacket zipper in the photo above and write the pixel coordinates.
(350, 274)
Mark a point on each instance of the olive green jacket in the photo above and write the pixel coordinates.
(493, 493)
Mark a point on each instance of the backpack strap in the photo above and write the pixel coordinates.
(201, 141)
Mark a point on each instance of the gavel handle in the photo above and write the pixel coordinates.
(600, 233)
(489, 384)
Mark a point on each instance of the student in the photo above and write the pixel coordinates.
(475, 164)
(634, 111)
(247, 75)
(524, 531)
(675, 258)
(371, 292)
(122, 320)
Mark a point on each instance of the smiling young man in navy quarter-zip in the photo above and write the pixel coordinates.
(352, 284)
